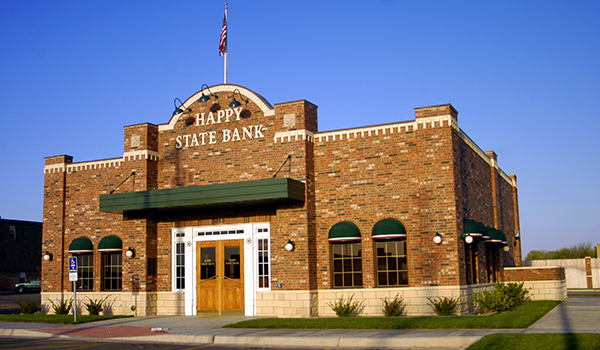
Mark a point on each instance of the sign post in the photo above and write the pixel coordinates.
(73, 277)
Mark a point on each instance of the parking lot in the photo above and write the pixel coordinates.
(8, 304)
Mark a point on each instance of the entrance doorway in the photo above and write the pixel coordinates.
(220, 276)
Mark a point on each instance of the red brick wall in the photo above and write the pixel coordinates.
(421, 173)
(534, 274)
(405, 175)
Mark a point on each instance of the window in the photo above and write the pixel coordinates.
(12, 232)
(346, 260)
(392, 263)
(179, 283)
(263, 263)
(85, 272)
(111, 271)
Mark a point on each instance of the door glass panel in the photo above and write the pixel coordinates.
(207, 264)
(232, 262)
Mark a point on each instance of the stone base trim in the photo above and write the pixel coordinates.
(314, 303)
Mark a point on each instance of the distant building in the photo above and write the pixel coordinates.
(20, 251)
(234, 205)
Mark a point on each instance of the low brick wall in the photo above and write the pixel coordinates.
(544, 283)
(550, 273)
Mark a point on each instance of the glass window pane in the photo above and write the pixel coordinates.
(347, 280)
(357, 265)
(357, 279)
(392, 266)
(232, 262)
(337, 280)
(207, 263)
(382, 279)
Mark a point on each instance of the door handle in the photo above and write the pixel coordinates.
(208, 279)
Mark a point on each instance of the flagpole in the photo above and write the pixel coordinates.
(226, 48)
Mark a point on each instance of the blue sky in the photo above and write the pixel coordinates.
(524, 76)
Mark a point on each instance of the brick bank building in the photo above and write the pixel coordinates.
(238, 206)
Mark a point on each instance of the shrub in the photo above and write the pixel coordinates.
(393, 307)
(94, 307)
(503, 297)
(62, 306)
(28, 308)
(443, 306)
(344, 308)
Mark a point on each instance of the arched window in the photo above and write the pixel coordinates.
(346, 255)
(391, 267)
(111, 248)
(83, 248)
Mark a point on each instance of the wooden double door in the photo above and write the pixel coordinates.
(220, 276)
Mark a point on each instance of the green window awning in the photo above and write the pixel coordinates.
(344, 232)
(110, 244)
(474, 229)
(496, 236)
(389, 228)
(279, 190)
(81, 245)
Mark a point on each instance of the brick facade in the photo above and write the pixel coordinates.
(426, 173)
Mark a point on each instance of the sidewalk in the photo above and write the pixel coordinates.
(574, 315)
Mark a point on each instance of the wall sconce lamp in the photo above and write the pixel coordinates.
(468, 238)
(290, 246)
(437, 239)
(506, 248)
(235, 103)
(130, 252)
(205, 98)
(180, 108)
(48, 256)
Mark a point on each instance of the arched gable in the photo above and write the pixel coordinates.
(262, 103)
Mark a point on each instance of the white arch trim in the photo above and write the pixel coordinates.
(263, 104)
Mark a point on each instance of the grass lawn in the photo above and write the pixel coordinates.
(61, 319)
(538, 341)
(521, 316)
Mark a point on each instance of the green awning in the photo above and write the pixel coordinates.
(496, 236)
(503, 237)
(474, 229)
(389, 228)
(110, 244)
(279, 190)
(81, 245)
(344, 232)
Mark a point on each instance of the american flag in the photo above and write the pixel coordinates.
(223, 41)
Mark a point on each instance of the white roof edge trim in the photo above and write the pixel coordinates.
(252, 96)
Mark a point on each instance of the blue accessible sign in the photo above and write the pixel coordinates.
(73, 264)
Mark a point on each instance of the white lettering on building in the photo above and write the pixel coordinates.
(226, 135)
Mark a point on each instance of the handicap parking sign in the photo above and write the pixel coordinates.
(73, 264)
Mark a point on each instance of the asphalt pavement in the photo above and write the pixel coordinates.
(574, 315)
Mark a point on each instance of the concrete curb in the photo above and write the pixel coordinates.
(321, 341)
(25, 333)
